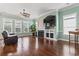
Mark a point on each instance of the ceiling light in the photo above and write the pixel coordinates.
(25, 14)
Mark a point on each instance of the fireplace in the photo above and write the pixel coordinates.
(40, 33)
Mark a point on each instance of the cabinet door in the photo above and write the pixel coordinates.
(47, 34)
(51, 35)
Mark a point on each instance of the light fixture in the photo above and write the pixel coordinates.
(25, 14)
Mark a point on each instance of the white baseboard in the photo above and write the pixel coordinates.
(51, 39)
(63, 39)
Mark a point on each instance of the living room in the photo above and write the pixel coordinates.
(39, 29)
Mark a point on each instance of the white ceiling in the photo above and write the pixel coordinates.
(35, 9)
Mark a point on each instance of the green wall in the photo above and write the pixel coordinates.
(59, 19)
(66, 11)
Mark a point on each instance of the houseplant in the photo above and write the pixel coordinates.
(33, 29)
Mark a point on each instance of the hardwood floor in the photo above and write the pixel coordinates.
(32, 46)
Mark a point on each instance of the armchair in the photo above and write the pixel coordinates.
(9, 39)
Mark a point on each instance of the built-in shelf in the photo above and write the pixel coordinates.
(49, 33)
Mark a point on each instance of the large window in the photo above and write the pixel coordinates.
(69, 23)
(18, 26)
(7, 25)
(25, 26)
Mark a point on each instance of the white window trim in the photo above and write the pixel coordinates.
(26, 25)
(20, 26)
(4, 24)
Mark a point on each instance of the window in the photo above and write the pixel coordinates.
(69, 23)
(7, 25)
(25, 26)
(15, 25)
(18, 26)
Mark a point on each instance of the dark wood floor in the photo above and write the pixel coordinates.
(32, 46)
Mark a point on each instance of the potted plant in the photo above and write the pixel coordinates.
(33, 29)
